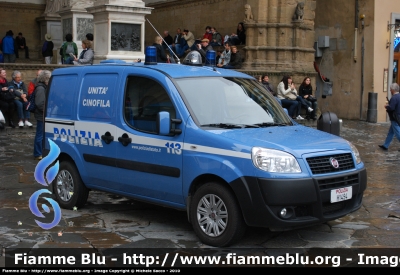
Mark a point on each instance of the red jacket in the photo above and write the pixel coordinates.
(31, 86)
(208, 35)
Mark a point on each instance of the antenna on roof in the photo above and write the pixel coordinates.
(179, 61)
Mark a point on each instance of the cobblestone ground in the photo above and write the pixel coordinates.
(111, 221)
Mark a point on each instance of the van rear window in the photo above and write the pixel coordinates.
(62, 93)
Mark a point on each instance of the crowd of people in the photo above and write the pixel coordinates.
(14, 96)
(69, 51)
(11, 46)
(292, 100)
(184, 41)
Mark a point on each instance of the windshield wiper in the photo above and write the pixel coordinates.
(271, 124)
(230, 125)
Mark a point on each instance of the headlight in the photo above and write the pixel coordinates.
(274, 161)
(355, 152)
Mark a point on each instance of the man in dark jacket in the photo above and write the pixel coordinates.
(216, 38)
(47, 49)
(176, 41)
(168, 39)
(203, 47)
(161, 56)
(393, 109)
(20, 42)
(40, 98)
(268, 87)
(235, 61)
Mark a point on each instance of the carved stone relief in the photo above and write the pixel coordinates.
(125, 37)
(78, 4)
(67, 27)
(52, 6)
(83, 26)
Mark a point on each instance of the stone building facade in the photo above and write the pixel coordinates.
(358, 56)
(21, 17)
(276, 43)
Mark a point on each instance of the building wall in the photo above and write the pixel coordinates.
(354, 72)
(383, 57)
(339, 63)
(21, 17)
(278, 46)
(354, 79)
(194, 15)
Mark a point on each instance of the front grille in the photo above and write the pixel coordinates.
(332, 208)
(303, 211)
(334, 183)
(322, 165)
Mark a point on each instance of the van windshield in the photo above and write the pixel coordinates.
(231, 103)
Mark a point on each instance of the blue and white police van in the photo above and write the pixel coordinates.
(204, 140)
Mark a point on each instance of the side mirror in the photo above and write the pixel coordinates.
(163, 123)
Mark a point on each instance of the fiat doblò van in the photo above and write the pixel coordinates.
(208, 141)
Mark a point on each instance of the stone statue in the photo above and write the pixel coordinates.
(65, 3)
(248, 15)
(80, 4)
(299, 12)
(52, 6)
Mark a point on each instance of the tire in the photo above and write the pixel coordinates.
(69, 188)
(220, 226)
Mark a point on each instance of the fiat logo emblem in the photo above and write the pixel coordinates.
(334, 162)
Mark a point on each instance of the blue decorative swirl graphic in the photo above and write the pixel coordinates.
(45, 162)
(35, 210)
(40, 178)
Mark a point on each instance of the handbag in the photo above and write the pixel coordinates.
(291, 96)
(2, 118)
(8, 95)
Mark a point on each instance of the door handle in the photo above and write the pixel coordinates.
(125, 140)
(107, 137)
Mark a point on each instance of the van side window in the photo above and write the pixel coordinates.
(144, 99)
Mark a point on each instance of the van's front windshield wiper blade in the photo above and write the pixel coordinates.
(271, 124)
(229, 125)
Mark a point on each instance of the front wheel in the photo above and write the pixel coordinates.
(216, 216)
(68, 187)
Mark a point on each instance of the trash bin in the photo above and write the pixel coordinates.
(329, 122)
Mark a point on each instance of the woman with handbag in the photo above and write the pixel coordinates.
(287, 93)
(6, 98)
(87, 55)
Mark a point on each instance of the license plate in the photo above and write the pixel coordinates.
(341, 194)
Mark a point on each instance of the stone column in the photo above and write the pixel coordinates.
(50, 22)
(119, 29)
(76, 20)
(276, 42)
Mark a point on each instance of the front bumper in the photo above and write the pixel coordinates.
(306, 200)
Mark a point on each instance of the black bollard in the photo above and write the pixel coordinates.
(329, 122)
(372, 113)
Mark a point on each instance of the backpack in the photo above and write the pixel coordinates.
(30, 105)
(61, 50)
(44, 47)
(69, 49)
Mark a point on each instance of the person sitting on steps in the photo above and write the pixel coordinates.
(305, 91)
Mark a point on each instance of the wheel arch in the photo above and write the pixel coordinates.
(201, 180)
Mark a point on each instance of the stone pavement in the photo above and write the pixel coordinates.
(111, 221)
